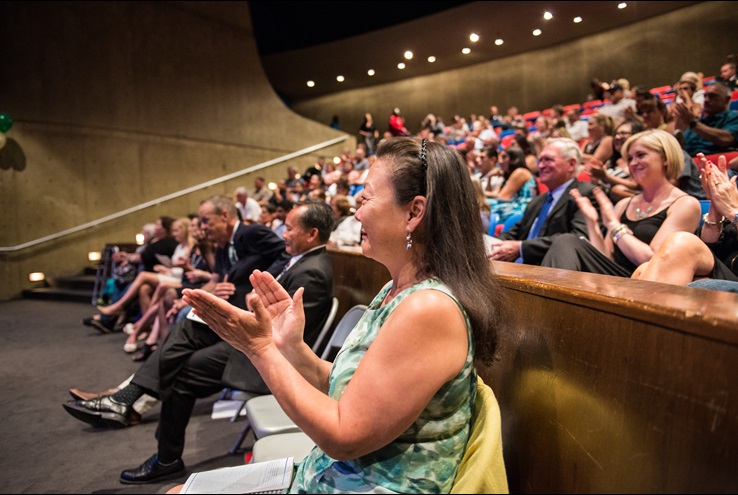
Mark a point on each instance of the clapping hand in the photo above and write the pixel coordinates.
(719, 189)
(288, 314)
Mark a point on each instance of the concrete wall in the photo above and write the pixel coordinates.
(119, 103)
(651, 53)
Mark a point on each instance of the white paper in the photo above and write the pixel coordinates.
(261, 477)
(164, 260)
(192, 316)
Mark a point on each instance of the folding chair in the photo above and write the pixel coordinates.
(265, 416)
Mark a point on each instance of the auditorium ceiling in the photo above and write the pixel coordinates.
(302, 41)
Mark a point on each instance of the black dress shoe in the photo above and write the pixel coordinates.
(151, 472)
(100, 412)
(101, 326)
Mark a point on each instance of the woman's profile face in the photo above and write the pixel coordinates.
(594, 128)
(504, 160)
(621, 136)
(383, 222)
(179, 233)
(645, 163)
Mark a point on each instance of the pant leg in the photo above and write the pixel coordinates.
(160, 371)
(570, 252)
(201, 376)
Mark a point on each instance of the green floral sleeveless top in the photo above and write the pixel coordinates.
(425, 458)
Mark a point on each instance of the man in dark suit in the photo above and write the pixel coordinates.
(194, 362)
(549, 214)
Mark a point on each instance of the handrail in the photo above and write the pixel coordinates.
(142, 206)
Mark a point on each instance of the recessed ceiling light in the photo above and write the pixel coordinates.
(622, 5)
(536, 32)
(499, 41)
(548, 16)
(401, 66)
(474, 37)
(408, 55)
(431, 59)
(466, 51)
(577, 19)
(370, 72)
(340, 78)
(311, 84)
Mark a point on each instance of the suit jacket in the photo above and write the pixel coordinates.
(314, 272)
(565, 217)
(257, 248)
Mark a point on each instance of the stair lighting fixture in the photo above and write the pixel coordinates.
(340, 78)
(536, 32)
(311, 84)
(401, 66)
(548, 16)
(272, 186)
(336, 160)
(36, 277)
(499, 41)
(408, 55)
(474, 37)
(622, 5)
(577, 20)
(371, 72)
(466, 51)
(139, 239)
(431, 59)
(94, 256)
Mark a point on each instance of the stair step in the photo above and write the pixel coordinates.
(80, 282)
(59, 294)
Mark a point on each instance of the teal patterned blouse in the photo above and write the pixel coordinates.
(516, 204)
(425, 458)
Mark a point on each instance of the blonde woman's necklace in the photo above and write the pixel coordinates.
(640, 215)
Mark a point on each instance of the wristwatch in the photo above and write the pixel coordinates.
(693, 124)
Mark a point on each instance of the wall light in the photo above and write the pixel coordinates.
(139, 239)
(336, 160)
(36, 277)
(474, 37)
(622, 5)
(548, 16)
(536, 32)
(466, 51)
(311, 84)
(370, 72)
(340, 78)
(499, 41)
(401, 66)
(577, 19)
(272, 186)
(94, 256)
(431, 59)
(408, 55)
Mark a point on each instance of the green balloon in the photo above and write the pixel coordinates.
(5, 122)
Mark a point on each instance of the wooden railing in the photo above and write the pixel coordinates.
(605, 384)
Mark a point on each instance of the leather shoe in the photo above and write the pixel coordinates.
(151, 471)
(134, 417)
(100, 412)
(101, 326)
(78, 394)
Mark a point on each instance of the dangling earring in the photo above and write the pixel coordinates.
(409, 240)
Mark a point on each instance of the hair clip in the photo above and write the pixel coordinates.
(423, 160)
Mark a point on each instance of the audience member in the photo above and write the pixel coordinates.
(637, 226)
(436, 314)
(484, 208)
(249, 208)
(261, 193)
(360, 161)
(346, 230)
(397, 124)
(618, 103)
(280, 214)
(577, 128)
(613, 177)
(531, 159)
(599, 145)
(369, 134)
(728, 75)
(487, 170)
(716, 131)
(517, 188)
(549, 215)
(711, 254)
